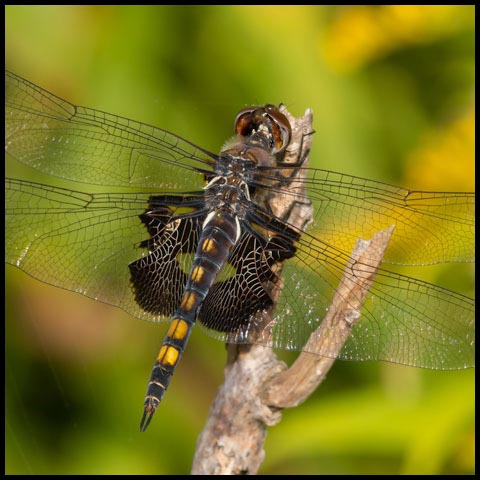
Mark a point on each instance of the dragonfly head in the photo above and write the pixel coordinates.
(264, 124)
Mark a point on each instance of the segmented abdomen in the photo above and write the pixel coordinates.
(218, 237)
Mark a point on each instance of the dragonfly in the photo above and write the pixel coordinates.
(169, 231)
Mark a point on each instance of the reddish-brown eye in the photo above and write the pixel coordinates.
(251, 118)
(244, 121)
(282, 130)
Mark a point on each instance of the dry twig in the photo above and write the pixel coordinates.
(257, 385)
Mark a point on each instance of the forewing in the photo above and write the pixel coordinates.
(430, 227)
(90, 146)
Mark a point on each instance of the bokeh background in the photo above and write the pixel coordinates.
(392, 91)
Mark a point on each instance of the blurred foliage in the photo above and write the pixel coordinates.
(362, 34)
(392, 91)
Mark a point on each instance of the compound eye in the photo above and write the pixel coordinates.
(281, 129)
(268, 117)
(244, 120)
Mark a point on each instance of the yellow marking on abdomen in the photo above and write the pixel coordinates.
(188, 300)
(168, 355)
(178, 329)
(208, 246)
(197, 273)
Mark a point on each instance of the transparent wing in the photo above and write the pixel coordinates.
(403, 320)
(81, 144)
(430, 227)
(86, 242)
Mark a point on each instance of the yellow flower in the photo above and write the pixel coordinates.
(363, 33)
(445, 159)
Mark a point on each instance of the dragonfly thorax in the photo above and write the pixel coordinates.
(228, 193)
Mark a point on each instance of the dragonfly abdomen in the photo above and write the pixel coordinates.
(220, 232)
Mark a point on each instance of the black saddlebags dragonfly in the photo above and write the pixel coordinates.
(199, 236)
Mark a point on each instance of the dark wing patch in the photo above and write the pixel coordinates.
(231, 303)
(158, 279)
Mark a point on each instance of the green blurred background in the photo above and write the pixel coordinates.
(392, 91)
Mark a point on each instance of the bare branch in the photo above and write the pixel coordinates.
(298, 382)
(257, 385)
